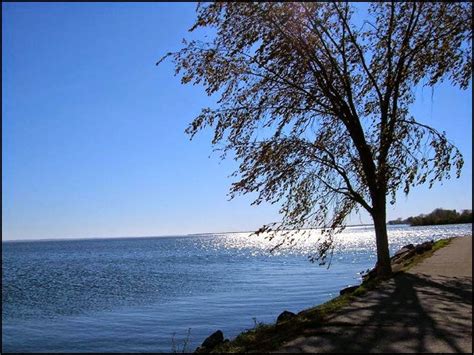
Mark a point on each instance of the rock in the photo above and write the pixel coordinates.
(396, 263)
(421, 248)
(397, 267)
(211, 341)
(399, 259)
(371, 274)
(404, 249)
(285, 316)
(429, 245)
(408, 246)
(406, 255)
(348, 290)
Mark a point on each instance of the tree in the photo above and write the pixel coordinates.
(316, 108)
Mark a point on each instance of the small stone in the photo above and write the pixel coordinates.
(348, 290)
(213, 340)
(285, 316)
(370, 275)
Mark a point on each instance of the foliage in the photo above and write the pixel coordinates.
(316, 108)
(437, 216)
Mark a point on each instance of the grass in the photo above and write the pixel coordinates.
(268, 337)
(175, 347)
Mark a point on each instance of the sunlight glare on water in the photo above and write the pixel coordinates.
(352, 239)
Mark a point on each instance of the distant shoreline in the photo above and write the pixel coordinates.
(438, 216)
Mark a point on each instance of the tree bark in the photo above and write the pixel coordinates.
(383, 266)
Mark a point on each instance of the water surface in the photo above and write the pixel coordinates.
(145, 294)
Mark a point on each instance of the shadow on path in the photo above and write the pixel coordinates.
(409, 313)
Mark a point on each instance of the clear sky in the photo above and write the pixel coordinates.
(93, 141)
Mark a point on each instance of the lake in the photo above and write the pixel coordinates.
(154, 294)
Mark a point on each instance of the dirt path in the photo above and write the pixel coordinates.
(428, 309)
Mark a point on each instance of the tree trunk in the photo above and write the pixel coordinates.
(383, 266)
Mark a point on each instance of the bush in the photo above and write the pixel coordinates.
(438, 216)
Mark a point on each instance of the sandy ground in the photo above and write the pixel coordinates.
(428, 309)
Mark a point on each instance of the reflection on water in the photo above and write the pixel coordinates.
(352, 239)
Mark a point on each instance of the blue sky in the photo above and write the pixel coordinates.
(93, 141)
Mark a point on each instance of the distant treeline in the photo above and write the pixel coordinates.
(438, 216)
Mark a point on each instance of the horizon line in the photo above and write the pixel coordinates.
(150, 236)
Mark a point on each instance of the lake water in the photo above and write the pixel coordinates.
(146, 294)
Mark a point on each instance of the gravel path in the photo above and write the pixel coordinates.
(428, 309)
